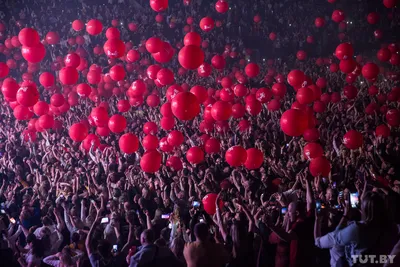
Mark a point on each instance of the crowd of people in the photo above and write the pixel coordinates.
(64, 204)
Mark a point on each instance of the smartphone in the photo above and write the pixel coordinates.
(170, 226)
(334, 185)
(338, 207)
(201, 220)
(318, 205)
(196, 204)
(354, 200)
(115, 248)
(105, 220)
(12, 220)
(341, 194)
(284, 210)
(165, 216)
(3, 212)
(324, 180)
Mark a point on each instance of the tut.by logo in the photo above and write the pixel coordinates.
(373, 259)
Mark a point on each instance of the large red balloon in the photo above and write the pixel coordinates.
(212, 145)
(305, 96)
(22, 113)
(313, 150)
(4, 70)
(294, 122)
(370, 71)
(78, 132)
(68, 75)
(114, 48)
(319, 22)
(100, 116)
(207, 24)
(236, 156)
(311, 135)
(117, 73)
(33, 54)
(175, 138)
(150, 128)
(195, 155)
(252, 70)
(94, 27)
(221, 6)
(52, 38)
(221, 111)
(41, 108)
(347, 65)
(128, 143)
(393, 117)
(185, 106)
(77, 25)
(382, 130)
(174, 163)
(338, 15)
(150, 142)
(209, 203)
(46, 79)
(28, 37)
(192, 38)
(117, 123)
(320, 166)
(137, 88)
(255, 159)
(154, 45)
(57, 100)
(353, 139)
(204, 70)
(151, 161)
(344, 51)
(159, 5)
(72, 60)
(218, 62)
(46, 121)
(10, 88)
(165, 76)
(373, 18)
(295, 78)
(200, 92)
(191, 57)
(27, 94)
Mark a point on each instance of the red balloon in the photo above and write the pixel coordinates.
(274, 105)
(132, 56)
(78, 132)
(68, 75)
(41, 108)
(236, 156)
(350, 91)
(150, 142)
(165, 76)
(373, 18)
(185, 106)
(151, 161)
(338, 15)
(212, 146)
(27, 94)
(153, 100)
(370, 71)
(174, 163)
(221, 6)
(209, 203)
(389, 3)
(204, 70)
(395, 59)
(252, 70)
(72, 60)
(313, 150)
(83, 90)
(192, 38)
(263, 95)
(167, 123)
(159, 5)
(344, 51)
(166, 110)
(52, 38)
(218, 62)
(137, 88)
(117, 73)
(221, 111)
(200, 92)
(77, 25)
(191, 57)
(57, 100)
(279, 89)
(10, 88)
(100, 116)
(4, 70)
(347, 65)
(272, 36)
(175, 138)
(305, 96)
(113, 33)
(320, 166)
(311, 135)
(117, 123)
(207, 24)
(103, 131)
(195, 155)
(319, 22)
(238, 111)
(46, 121)
(294, 122)
(33, 54)
(154, 45)
(29, 37)
(150, 128)
(46, 79)
(295, 78)
(114, 48)
(301, 55)
(382, 130)
(353, 139)
(384, 54)
(129, 143)
(94, 27)
(393, 117)
(319, 106)
(255, 159)
(22, 113)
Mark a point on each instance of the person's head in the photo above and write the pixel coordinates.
(373, 210)
(201, 231)
(66, 257)
(329, 194)
(177, 245)
(294, 211)
(160, 243)
(147, 237)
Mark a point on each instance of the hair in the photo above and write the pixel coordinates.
(201, 231)
(66, 256)
(37, 248)
(160, 243)
(148, 236)
(373, 210)
(238, 234)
